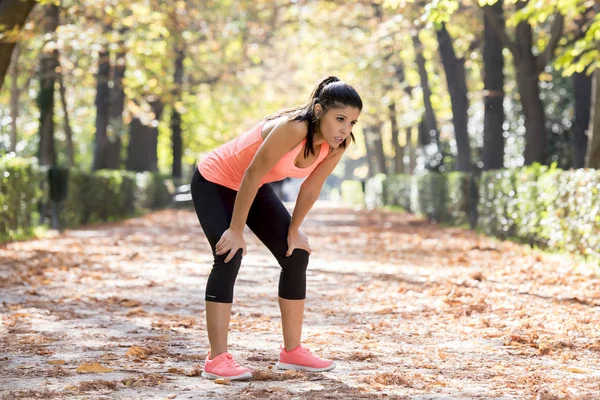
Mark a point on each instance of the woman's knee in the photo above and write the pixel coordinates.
(292, 281)
(221, 280)
(298, 260)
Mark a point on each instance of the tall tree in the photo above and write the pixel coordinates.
(593, 153)
(493, 78)
(177, 140)
(116, 125)
(48, 69)
(528, 67)
(143, 138)
(454, 67)
(101, 143)
(14, 98)
(582, 93)
(429, 120)
(398, 150)
(13, 14)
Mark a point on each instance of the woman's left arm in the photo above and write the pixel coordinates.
(309, 193)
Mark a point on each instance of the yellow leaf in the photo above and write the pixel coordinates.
(137, 352)
(57, 362)
(544, 348)
(222, 381)
(93, 368)
(441, 354)
(576, 370)
(176, 371)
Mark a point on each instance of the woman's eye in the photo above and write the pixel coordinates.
(341, 119)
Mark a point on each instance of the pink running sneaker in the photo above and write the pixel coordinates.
(224, 366)
(301, 359)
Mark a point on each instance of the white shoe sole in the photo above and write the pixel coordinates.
(245, 375)
(295, 367)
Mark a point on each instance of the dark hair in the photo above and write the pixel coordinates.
(330, 92)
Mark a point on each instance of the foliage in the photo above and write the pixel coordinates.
(21, 188)
(91, 197)
(544, 206)
(352, 193)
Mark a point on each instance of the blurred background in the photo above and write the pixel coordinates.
(140, 90)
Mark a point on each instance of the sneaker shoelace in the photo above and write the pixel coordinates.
(230, 361)
(307, 352)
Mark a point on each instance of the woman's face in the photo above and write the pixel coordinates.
(336, 124)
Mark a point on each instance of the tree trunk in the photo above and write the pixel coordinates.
(116, 125)
(13, 13)
(101, 149)
(68, 131)
(143, 142)
(14, 99)
(48, 66)
(369, 150)
(582, 91)
(457, 86)
(529, 90)
(528, 67)
(493, 65)
(177, 141)
(378, 149)
(398, 150)
(412, 151)
(533, 111)
(593, 154)
(430, 126)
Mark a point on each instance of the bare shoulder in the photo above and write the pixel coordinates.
(283, 126)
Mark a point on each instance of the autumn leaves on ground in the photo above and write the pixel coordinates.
(408, 309)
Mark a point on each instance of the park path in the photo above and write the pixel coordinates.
(408, 309)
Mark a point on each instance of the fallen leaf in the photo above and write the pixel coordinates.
(222, 381)
(441, 354)
(56, 362)
(176, 371)
(93, 368)
(137, 352)
(576, 370)
(544, 348)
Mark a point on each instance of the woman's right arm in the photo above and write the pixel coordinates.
(280, 140)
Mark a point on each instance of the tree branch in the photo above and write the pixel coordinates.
(498, 25)
(556, 34)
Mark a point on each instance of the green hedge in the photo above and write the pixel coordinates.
(109, 194)
(375, 191)
(21, 188)
(541, 205)
(105, 195)
(352, 193)
(399, 191)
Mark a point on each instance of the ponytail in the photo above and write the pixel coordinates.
(314, 97)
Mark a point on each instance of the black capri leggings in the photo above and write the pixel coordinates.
(268, 219)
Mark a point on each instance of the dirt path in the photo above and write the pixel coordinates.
(409, 310)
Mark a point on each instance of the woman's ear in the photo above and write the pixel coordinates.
(318, 110)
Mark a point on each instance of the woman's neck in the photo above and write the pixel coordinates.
(318, 139)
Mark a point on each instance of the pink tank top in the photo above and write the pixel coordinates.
(227, 164)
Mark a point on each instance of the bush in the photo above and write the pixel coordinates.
(22, 186)
(352, 193)
(432, 196)
(399, 191)
(539, 204)
(460, 197)
(375, 191)
(91, 197)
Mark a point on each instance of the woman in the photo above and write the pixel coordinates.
(230, 189)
